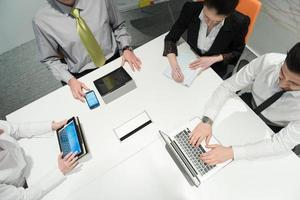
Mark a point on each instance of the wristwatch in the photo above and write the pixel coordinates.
(127, 48)
(207, 120)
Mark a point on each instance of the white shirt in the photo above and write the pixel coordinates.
(14, 165)
(205, 41)
(263, 75)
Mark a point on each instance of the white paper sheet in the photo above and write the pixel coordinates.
(184, 59)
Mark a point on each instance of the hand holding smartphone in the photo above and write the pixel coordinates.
(91, 99)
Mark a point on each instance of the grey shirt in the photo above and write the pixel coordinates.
(57, 38)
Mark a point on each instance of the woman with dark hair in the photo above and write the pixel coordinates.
(215, 31)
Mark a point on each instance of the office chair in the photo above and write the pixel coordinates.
(251, 8)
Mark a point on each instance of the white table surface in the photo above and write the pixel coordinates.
(139, 167)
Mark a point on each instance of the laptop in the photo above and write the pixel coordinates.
(187, 157)
(71, 139)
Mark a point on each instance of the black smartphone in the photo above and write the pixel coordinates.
(91, 99)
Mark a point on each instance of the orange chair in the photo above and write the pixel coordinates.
(250, 8)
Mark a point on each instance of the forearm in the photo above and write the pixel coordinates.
(218, 99)
(281, 142)
(33, 192)
(259, 149)
(232, 57)
(58, 69)
(172, 60)
(27, 130)
(218, 58)
(49, 181)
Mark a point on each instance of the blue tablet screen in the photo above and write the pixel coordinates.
(68, 139)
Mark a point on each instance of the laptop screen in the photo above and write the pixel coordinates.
(68, 139)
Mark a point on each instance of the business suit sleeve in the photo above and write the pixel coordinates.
(238, 44)
(123, 38)
(178, 29)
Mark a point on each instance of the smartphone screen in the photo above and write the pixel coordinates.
(91, 99)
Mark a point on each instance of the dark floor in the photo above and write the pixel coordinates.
(23, 79)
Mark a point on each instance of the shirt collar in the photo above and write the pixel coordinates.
(67, 9)
(201, 16)
(294, 93)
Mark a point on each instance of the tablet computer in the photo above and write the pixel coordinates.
(112, 81)
(70, 138)
(114, 85)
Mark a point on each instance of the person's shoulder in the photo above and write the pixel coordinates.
(192, 7)
(239, 19)
(272, 59)
(45, 10)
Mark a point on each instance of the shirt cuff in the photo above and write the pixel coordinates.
(66, 77)
(170, 47)
(209, 115)
(227, 57)
(239, 152)
(125, 42)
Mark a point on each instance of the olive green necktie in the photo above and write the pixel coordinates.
(88, 39)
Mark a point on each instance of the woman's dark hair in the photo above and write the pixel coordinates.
(223, 7)
(293, 59)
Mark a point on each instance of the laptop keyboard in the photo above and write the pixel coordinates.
(65, 145)
(193, 153)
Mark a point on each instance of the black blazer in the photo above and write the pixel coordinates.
(230, 41)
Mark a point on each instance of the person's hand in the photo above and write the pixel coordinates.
(77, 89)
(58, 125)
(134, 62)
(205, 62)
(217, 154)
(177, 75)
(201, 132)
(67, 163)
